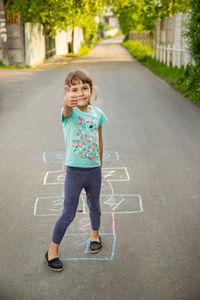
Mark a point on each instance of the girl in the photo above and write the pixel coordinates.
(82, 127)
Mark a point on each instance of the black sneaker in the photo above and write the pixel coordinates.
(95, 246)
(54, 264)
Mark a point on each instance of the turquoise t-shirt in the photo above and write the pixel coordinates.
(81, 137)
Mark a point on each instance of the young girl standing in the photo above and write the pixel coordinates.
(82, 127)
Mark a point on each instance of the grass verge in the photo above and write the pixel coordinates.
(84, 49)
(2, 66)
(178, 78)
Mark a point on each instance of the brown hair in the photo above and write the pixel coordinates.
(83, 76)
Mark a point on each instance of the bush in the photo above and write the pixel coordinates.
(82, 50)
(139, 51)
(190, 83)
(90, 29)
(102, 27)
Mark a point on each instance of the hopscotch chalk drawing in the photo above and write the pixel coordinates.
(81, 241)
(79, 237)
(78, 233)
(108, 174)
(51, 206)
(59, 156)
(116, 204)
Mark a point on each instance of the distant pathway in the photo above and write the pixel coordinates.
(150, 193)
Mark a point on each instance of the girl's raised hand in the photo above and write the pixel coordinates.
(70, 100)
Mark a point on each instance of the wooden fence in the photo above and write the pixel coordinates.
(146, 38)
(169, 44)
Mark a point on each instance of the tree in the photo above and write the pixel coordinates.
(171, 7)
(140, 15)
(150, 12)
(3, 34)
(90, 29)
(193, 34)
(59, 14)
(129, 17)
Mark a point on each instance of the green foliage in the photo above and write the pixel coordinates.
(90, 29)
(192, 33)
(141, 15)
(170, 7)
(129, 17)
(82, 50)
(149, 14)
(55, 14)
(139, 51)
(189, 83)
(184, 80)
(59, 14)
(2, 66)
(102, 27)
(63, 14)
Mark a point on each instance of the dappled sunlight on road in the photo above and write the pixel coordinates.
(106, 51)
(109, 50)
(14, 75)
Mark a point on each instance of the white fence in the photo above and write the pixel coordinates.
(171, 44)
(178, 57)
(168, 44)
(35, 42)
(27, 45)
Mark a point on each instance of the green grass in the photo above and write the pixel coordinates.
(2, 66)
(139, 51)
(112, 36)
(84, 49)
(178, 78)
(170, 74)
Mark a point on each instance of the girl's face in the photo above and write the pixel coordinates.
(82, 92)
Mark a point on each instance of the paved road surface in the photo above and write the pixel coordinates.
(150, 194)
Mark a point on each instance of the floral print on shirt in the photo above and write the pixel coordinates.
(85, 143)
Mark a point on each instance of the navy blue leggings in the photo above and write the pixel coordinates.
(75, 180)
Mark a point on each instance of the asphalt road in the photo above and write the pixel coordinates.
(150, 192)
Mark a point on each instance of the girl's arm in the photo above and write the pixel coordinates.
(69, 102)
(101, 144)
(67, 111)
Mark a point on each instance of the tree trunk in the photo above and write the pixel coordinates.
(72, 42)
(4, 34)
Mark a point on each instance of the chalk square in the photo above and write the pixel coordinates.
(51, 205)
(54, 177)
(82, 224)
(76, 248)
(110, 203)
(110, 155)
(108, 174)
(59, 156)
(120, 203)
(53, 157)
(115, 174)
(48, 206)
